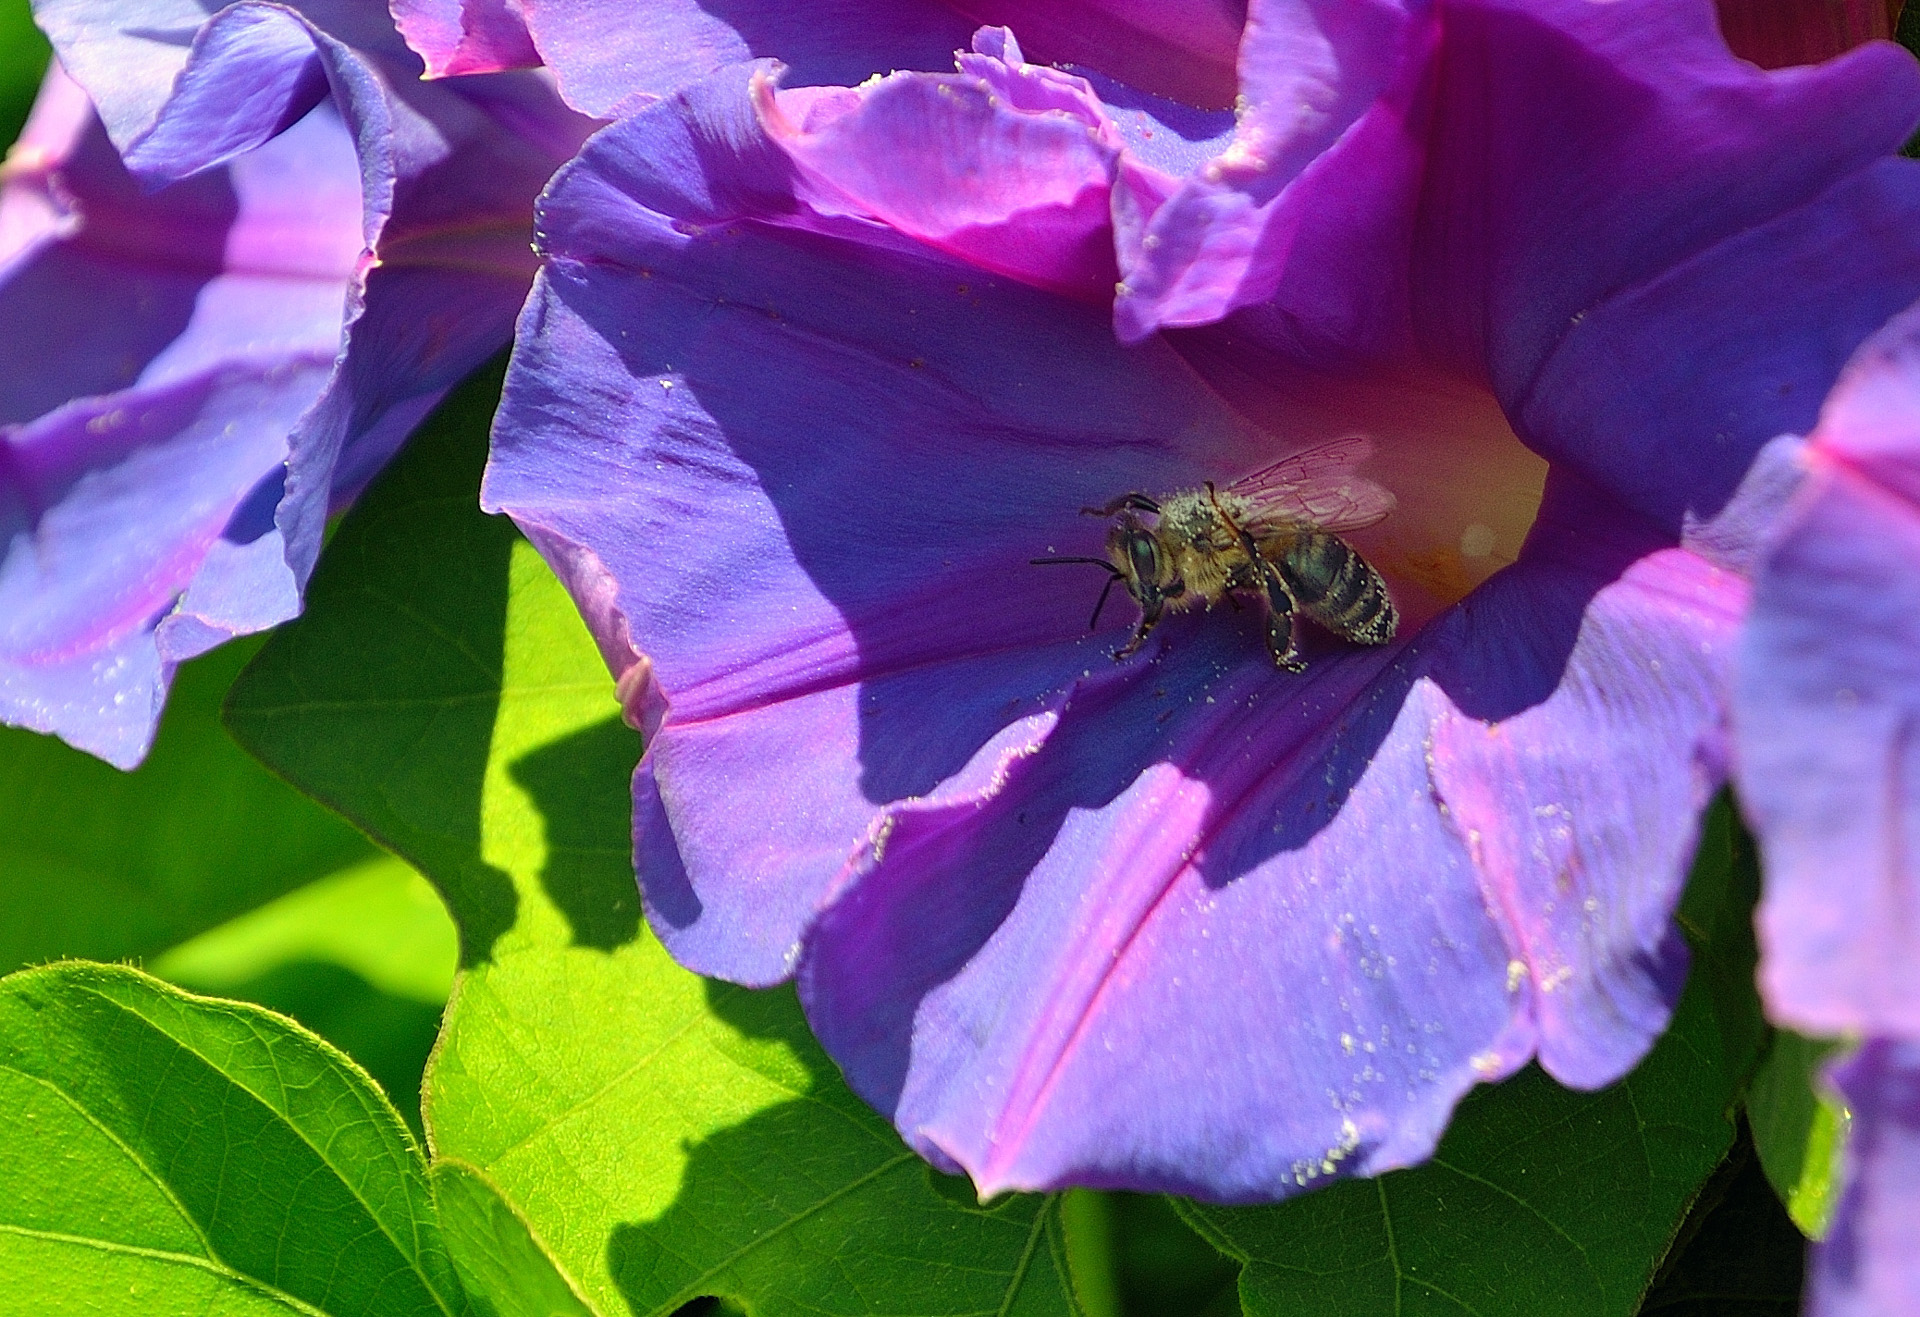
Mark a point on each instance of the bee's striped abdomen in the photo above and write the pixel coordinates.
(1338, 588)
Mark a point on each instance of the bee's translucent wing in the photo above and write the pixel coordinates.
(1318, 488)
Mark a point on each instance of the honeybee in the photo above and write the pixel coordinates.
(1272, 534)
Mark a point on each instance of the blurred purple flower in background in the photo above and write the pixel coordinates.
(1828, 716)
(812, 373)
(230, 284)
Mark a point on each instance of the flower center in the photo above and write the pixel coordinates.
(1466, 489)
(1467, 492)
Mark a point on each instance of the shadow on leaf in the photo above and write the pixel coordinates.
(579, 784)
(380, 700)
(1738, 1255)
(769, 1210)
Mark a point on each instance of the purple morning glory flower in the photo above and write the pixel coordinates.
(811, 376)
(241, 255)
(1829, 765)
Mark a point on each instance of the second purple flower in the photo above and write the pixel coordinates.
(242, 254)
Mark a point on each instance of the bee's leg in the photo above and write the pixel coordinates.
(1283, 625)
(1282, 614)
(1148, 620)
(1137, 501)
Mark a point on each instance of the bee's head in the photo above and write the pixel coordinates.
(1134, 556)
(1141, 561)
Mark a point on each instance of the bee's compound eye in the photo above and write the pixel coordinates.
(1145, 557)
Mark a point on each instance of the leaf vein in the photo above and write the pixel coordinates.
(208, 1265)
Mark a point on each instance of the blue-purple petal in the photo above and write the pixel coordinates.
(1829, 706)
(1708, 392)
(1627, 134)
(162, 349)
(610, 61)
(1869, 1263)
(304, 241)
(1057, 982)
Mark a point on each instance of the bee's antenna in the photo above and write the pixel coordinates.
(1105, 590)
(1113, 574)
(1137, 501)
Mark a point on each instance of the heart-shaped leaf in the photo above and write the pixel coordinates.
(164, 1153)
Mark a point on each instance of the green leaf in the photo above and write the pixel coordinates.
(23, 60)
(1539, 1199)
(666, 1137)
(104, 865)
(380, 699)
(503, 1266)
(1737, 1254)
(1162, 1266)
(379, 919)
(164, 1153)
(1799, 1128)
(1089, 1229)
(681, 1138)
(1716, 914)
(364, 958)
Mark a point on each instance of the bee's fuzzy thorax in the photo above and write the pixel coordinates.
(1194, 548)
